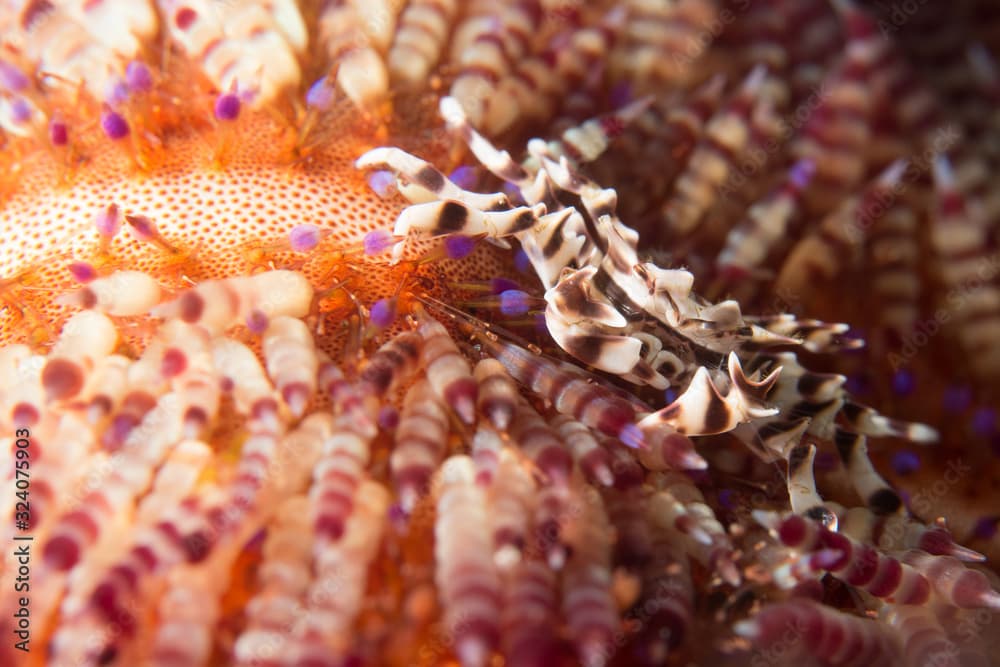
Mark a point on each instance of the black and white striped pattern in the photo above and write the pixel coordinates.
(637, 320)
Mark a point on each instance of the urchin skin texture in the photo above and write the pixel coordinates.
(223, 200)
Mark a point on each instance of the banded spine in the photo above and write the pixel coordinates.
(336, 591)
(360, 69)
(217, 305)
(924, 641)
(498, 395)
(284, 575)
(292, 362)
(79, 529)
(960, 238)
(897, 532)
(530, 613)
(421, 444)
(87, 337)
(953, 581)
(587, 603)
(542, 445)
(420, 40)
(465, 572)
(121, 293)
(188, 367)
(822, 632)
(855, 563)
(243, 376)
(249, 47)
(510, 505)
(590, 457)
(726, 137)
(679, 506)
(448, 373)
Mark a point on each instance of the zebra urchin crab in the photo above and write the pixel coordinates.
(639, 321)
